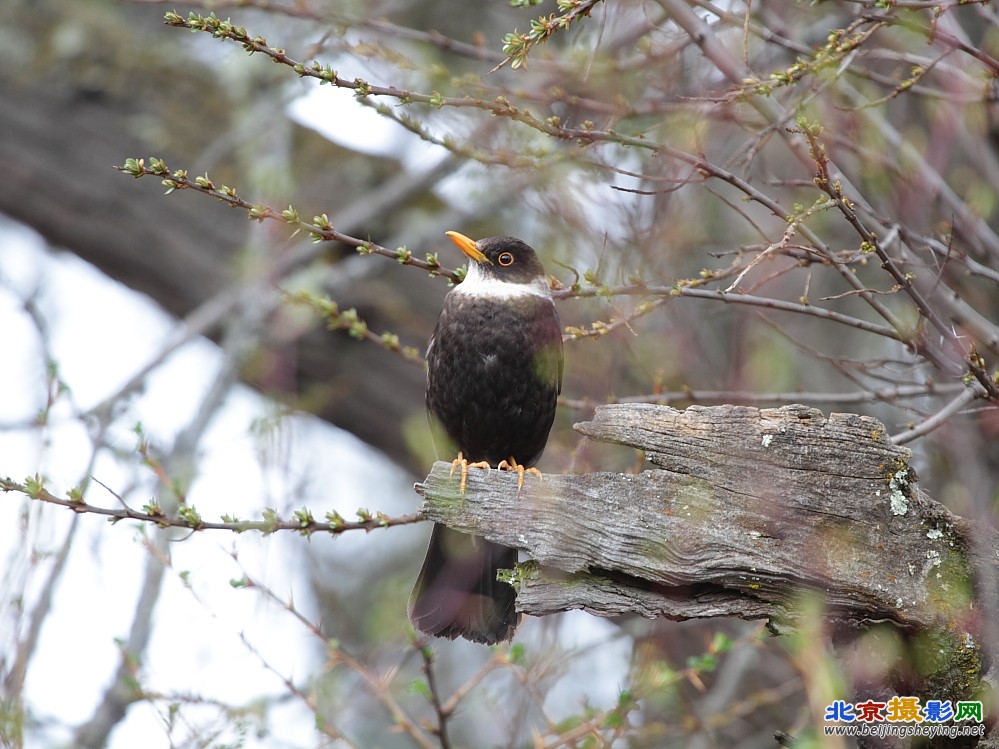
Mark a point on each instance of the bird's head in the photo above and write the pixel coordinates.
(501, 266)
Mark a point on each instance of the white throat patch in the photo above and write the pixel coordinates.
(479, 284)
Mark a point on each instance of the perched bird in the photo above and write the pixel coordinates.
(494, 374)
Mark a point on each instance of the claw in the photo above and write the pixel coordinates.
(513, 465)
(461, 462)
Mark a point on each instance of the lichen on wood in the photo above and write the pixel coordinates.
(741, 511)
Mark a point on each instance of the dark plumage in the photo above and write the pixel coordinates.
(494, 374)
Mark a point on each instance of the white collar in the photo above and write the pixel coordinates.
(479, 284)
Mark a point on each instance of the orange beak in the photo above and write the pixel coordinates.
(469, 247)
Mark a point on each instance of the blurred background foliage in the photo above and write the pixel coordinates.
(653, 152)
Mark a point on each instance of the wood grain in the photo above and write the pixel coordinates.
(744, 510)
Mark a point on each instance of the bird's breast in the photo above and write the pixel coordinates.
(493, 374)
(490, 325)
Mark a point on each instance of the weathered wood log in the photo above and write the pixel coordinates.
(745, 509)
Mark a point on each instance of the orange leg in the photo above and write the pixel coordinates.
(513, 465)
(460, 462)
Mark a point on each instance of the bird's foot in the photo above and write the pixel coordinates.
(513, 465)
(460, 462)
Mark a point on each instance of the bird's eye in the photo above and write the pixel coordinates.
(505, 259)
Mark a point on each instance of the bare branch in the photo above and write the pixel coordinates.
(888, 394)
(435, 697)
(320, 228)
(304, 523)
(966, 396)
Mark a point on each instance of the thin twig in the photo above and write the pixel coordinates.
(336, 653)
(320, 229)
(307, 698)
(499, 660)
(435, 697)
(887, 394)
(939, 418)
(158, 518)
(736, 298)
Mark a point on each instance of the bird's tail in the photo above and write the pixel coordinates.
(457, 593)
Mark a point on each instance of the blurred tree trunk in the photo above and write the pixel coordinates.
(63, 128)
